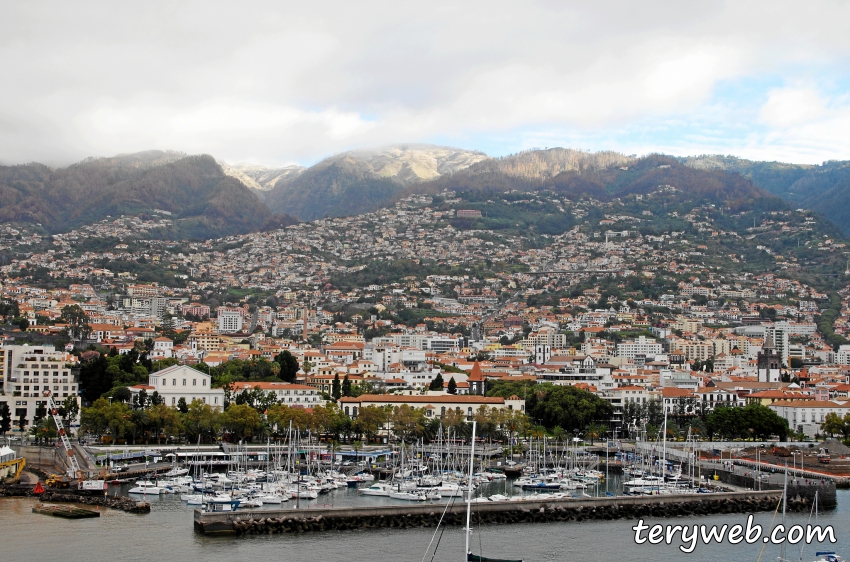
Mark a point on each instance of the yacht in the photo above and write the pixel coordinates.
(376, 489)
(145, 487)
(408, 496)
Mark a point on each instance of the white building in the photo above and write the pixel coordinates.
(181, 381)
(295, 395)
(229, 322)
(163, 348)
(641, 346)
(31, 370)
(807, 415)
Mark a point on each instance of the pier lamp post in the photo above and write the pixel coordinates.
(794, 463)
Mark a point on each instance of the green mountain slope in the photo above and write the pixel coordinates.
(202, 200)
(824, 188)
(607, 180)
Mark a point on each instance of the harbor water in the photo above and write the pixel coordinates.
(167, 534)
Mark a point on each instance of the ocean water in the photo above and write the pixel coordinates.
(167, 534)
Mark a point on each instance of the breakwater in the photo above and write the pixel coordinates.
(798, 488)
(55, 496)
(429, 515)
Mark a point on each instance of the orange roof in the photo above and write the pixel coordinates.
(778, 394)
(673, 392)
(402, 399)
(810, 404)
(270, 386)
(475, 375)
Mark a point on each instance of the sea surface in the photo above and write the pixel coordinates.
(166, 534)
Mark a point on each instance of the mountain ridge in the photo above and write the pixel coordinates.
(194, 189)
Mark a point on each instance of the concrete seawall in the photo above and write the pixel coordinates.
(802, 488)
(418, 515)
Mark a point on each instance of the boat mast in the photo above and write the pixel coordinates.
(784, 504)
(469, 489)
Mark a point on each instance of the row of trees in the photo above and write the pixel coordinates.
(102, 374)
(254, 417)
(689, 413)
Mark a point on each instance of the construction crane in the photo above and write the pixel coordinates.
(21, 462)
(74, 472)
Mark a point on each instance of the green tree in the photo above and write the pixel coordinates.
(69, 409)
(77, 321)
(452, 388)
(336, 391)
(5, 418)
(288, 365)
(122, 394)
(21, 423)
(436, 382)
(163, 418)
(201, 420)
(833, 423)
(566, 406)
(182, 406)
(370, 420)
(40, 413)
(408, 422)
(279, 417)
(44, 430)
(241, 420)
(346, 386)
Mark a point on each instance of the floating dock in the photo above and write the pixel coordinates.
(66, 511)
(505, 512)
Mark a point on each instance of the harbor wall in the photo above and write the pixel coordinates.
(429, 515)
(800, 487)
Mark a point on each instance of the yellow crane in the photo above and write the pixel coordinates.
(21, 462)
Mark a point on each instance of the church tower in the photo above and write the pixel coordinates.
(476, 380)
(769, 362)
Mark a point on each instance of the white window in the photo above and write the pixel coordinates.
(194, 382)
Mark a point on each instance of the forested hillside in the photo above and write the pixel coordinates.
(202, 200)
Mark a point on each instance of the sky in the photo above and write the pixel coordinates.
(279, 82)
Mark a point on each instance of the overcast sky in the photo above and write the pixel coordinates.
(292, 82)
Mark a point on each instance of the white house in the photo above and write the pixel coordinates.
(180, 381)
(807, 415)
(163, 348)
(296, 395)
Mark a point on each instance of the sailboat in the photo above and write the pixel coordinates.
(469, 556)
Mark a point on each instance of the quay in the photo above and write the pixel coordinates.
(505, 512)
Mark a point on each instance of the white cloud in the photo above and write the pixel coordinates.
(792, 106)
(265, 81)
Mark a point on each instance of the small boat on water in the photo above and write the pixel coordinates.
(376, 489)
(145, 487)
(408, 496)
(828, 556)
